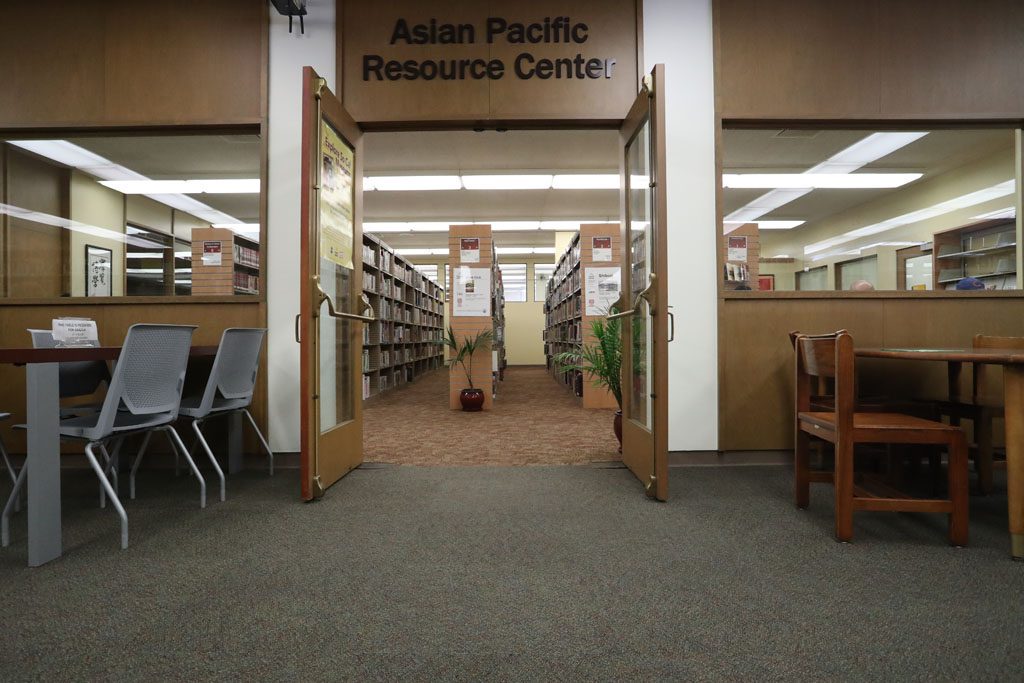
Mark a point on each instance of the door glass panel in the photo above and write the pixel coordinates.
(335, 237)
(641, 235)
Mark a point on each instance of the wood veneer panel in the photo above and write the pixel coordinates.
(952, 59)
(113, 322)
(798, 59)
(35, 251)
(756, 399)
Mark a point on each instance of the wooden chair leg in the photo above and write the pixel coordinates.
(983, 435)
(801, 469)
(844, 491)
(958, 491)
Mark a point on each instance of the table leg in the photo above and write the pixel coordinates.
(236, 444)
(43, 463)
(1013, 389)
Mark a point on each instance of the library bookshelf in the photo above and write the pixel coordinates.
(568, 316)
(406, 339)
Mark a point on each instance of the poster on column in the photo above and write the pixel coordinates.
(601, 249)
(472, 291)
(336, 198)
(602, 289)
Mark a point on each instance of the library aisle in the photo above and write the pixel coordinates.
(533, 423)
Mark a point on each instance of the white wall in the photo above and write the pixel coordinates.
(288, 54)
(678, 34)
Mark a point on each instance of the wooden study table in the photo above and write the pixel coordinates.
(1013, 401)
(42, 407)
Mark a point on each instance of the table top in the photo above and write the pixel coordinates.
(968, 355)
(23, 356)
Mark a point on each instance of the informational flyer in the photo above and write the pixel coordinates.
(472, 291)
(469, 250)
(737, 249)
(74, 332)
(336, 198)
(212, 253)
(601, 249)
(603, 286)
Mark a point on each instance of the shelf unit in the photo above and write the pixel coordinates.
(246, 265)
(498, 362)
(567, 324)
(406, 339)
(985, 250)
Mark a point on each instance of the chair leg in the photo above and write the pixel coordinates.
(844, 491)
(173, 436)
(801, 469)
(266, 446)
(135, 465)
(107, 464)
(110, 492)
(5, 520)
(983, 435)
(200, 439)
(958, 490)
(12, 473)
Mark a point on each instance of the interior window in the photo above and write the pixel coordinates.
(130, 215)
(830, 209)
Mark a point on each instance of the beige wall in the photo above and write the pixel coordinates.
(979, 175)
(147, 213)
(96, 207)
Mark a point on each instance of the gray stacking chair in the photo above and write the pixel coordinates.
(11, 472)
(229, 389)
(144, 395)
(79, 378)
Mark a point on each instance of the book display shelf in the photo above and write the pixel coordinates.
(247, 265)
(985, 250)
(224, 262)
(498, 362)
(571, 304)
(406, 339)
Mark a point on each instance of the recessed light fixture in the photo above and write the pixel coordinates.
(1008, 212)
(815, 181)
(764, 225)
(422, 252)
(962, 202)
(586, 181)
(212, 186)
(507, 182)
(412, 183)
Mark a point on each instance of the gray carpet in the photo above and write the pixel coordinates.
(530, 573)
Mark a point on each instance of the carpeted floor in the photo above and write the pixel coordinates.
(527, 573)
(534, 422)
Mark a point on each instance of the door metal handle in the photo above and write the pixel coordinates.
(649, 295)
(335, 313)
(671, 324)
(298, 316)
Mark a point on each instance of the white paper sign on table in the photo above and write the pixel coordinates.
(603, 286)
(472, 295)
(74, 332)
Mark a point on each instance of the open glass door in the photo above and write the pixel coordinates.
(328, 327)
(645, 327)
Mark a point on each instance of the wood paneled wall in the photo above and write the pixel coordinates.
(469, 326)
(124, 62)
(113, 321)
(871, 59)
(756, 358)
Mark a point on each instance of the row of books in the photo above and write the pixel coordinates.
(369, 255)
(247, 281)
(247, 256)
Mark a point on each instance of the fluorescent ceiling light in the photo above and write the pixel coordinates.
(386, 227)
(1008, 212)
(507, 182)
(764, 225)
(948, 206)
(499, 226)
(859, 154)
(586, 181)
(217, 186)
(410, 183)
(422, 252)
(816, 181)
(429, 227)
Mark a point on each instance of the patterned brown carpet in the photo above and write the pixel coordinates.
(534, 422)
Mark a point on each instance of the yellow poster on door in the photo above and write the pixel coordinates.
(337, 197)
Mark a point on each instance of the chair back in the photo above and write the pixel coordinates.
(233, 374)
(149, 376)
(77, 378)
(826, 356)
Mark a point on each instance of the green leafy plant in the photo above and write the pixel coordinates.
(602, 359)
(463, 350)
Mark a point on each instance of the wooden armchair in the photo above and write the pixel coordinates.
(831, 356)
(981, 410)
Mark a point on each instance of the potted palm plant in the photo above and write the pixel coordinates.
(471, 398)
(601, 360)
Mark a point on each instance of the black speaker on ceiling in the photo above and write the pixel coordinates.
(292, 8)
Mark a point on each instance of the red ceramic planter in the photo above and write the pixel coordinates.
(472, 400)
